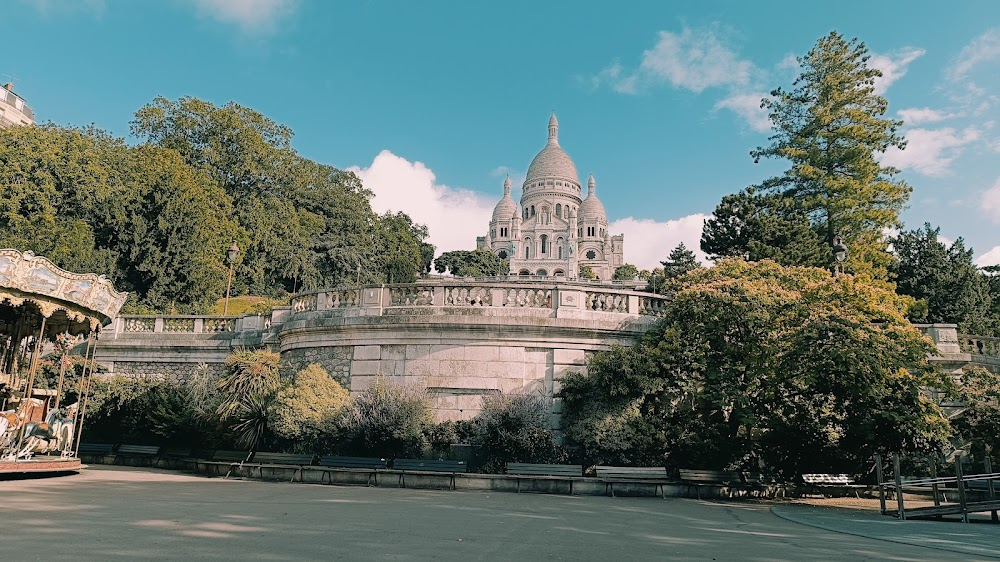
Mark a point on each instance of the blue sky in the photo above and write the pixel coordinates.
(433, 103)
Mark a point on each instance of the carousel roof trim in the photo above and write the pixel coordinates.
(31, 276)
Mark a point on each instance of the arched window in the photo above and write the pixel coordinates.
(559, 243)
(532, 210)
(527, 248)
(558, 273)
(545, 242)
(542, 273)
(524, 272)
(558, 211)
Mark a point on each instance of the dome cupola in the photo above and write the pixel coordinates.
(592, 210)
(506, 207)
(552, 163)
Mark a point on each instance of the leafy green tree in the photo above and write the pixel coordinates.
(626, 272)
(680, 261)
(944, 277)
(758, 363)
(309, 411)
(978, 426)
(831, 129)
(587, 272)
(756, 227)
(477, 263)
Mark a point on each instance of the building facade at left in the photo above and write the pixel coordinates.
(13, 109)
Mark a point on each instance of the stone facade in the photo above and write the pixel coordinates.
(336, 360)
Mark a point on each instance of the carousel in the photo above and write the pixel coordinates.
(45, 312)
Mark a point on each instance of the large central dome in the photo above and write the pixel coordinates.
(552, 161)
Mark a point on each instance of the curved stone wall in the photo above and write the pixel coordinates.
(459, 338)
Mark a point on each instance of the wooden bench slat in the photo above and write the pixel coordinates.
(231, 456)
(283, 458)
(429, 465)
(150, 450)
(710, 476)
(337, 461)
(832, 479)
(176, 453)
(533, 469)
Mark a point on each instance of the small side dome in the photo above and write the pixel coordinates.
(592, 210)
(506, 207)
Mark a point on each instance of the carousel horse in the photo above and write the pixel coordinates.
(54, 434)
(11, 422)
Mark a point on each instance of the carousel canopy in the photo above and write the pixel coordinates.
(74, 302)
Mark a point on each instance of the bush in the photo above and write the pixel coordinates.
(514, 428)
(248, 389)
(387, 420)
(309, 411)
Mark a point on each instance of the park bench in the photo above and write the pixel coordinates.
(818, 482)
(296, 461)
(172, 456)
(428, 467)
(698, 478)
(652, 475)
(231, 459)
(363, 465)
(95, 449)
(145, 452)
(565, 472)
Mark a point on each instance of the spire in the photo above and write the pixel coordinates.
(506, 186)
(591, 186)
(553, 130)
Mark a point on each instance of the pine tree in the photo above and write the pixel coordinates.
(831, 129)
(680, 261)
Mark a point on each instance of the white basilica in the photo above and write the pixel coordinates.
(554, 231)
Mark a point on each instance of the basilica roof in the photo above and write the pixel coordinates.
(552, 161)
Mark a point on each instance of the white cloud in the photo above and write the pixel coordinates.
(930, 151)
(455, 217)
(921, 115)
(893, 66)
(991, 257)
(694, 59)
(983, 48)
(748, 107)
(648, 242)
(251, 15)
(991, 202)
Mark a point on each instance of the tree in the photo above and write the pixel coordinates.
(979, 423)
(944, 277)
(831, 129)
(514, 428)
(759, 363)
(388, 419)
(680, 261)
(477, 263)
(626, 272)
(248, 389)
(308, 412)
(587, 272)
(756, 227)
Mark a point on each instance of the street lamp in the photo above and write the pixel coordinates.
(231, 255)
(839, 254)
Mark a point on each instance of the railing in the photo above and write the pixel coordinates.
(979, 345)
(175, 324)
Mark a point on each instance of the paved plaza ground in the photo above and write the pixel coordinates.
(115, 512)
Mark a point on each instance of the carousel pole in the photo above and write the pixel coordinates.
(86, 397)
(62, 376)
(83, 380)
(32, 367)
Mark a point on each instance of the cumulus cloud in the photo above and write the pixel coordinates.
(648, 242)
(251, 15)
(694, 59)
(748, 107)
(893, 66)
(455, 217)
(921, 115)
(984, 48)
(930, 151)
(992, 257)
(990, 202)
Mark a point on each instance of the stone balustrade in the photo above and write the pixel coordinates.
(486, 293)
(147, 324)
(979, 345)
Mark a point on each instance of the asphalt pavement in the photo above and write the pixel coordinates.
(127, 513)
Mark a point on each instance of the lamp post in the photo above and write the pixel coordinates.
(839, 254)
(231, 255)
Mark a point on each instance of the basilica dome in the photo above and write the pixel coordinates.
(552, 161)
(592, 210)
(507, 207)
